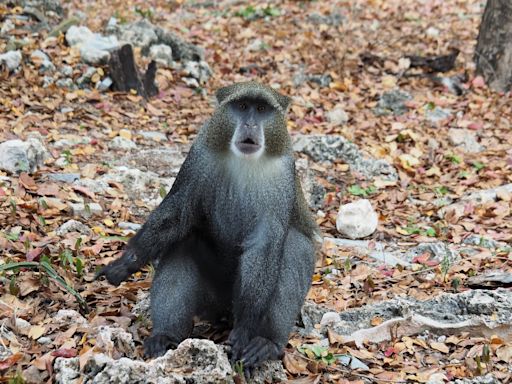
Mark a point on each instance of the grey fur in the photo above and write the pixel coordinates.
(234, 236)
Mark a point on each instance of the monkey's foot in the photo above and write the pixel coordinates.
(157, 345)
(120, 269)
(238, 339)
(259, 350)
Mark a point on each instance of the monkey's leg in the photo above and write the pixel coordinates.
(296, 269)
(178, 293)
(184, 286)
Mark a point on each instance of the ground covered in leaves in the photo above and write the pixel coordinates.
(328, 56)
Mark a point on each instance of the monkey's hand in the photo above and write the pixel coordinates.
(238, 340)
(120, 269)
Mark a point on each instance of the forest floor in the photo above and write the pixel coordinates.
(359, 51)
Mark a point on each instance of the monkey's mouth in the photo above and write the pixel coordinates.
(248, 146)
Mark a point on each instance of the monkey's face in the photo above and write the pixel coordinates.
(252, 117)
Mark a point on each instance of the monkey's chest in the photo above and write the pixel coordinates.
(235, 215)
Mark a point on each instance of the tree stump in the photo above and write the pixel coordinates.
(126, 76)
(493, 54)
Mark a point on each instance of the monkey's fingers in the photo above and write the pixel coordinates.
(157, 345)
(259, 350)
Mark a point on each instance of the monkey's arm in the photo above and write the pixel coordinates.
(257, 278)
(168, 223)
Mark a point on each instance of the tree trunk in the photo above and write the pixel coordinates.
(493, 55)
(127, 77)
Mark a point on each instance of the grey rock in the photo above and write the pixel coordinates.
(197, 361)
(375, 249)
(357, 219)
(484, 242)
(191, 82)
(164, 161)
(11, 60)
(269, 372)
(438, 250)
(392, 102)
(310, 315)
(33, 375)
(481, 312)
(334, 19)
(44, 340)
(198, 70)
(140, 34)
(66, 83)
(144, 34)
(73, 226)
(136, 182)
(104, 85)
(300, 77)
(70, 141)
(129, 226)
(21, 324)
(330, 318)
(314, 192)
(181, 50)
(64, 177)
(5, 352)
(115, 339)
(432, 32)
(142, 307)
(7, 26)
(67, 370)
(122, 143)
(95, 186)
(153, 135)
(67, 70)
(86, 77)
(465, 139)
(85, 210)
(490, 278)
(333, 147)
(478, 197)
(94, 48)
(487, 379)
(44, 6)
(437, 115)
(69, 316)
(322, 80)
(47, 81)
(255, 45)
(162, 54)
(22, 156)
(112, 26)
(337, 116)
(42, 60)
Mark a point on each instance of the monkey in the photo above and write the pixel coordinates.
(233, 236)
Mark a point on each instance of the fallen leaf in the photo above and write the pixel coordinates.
(10, 361)
(65, 352)
(36, 331)
(441, 347)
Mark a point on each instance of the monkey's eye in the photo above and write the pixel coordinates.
(261, 108)
(242, 106)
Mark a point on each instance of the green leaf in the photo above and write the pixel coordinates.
(430, 232)
(478, 165)
(356, 190)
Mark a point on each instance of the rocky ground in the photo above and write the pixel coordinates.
(408, 174)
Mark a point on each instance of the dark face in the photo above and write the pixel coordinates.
(251, 117)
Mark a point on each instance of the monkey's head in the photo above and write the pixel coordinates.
(249, 121)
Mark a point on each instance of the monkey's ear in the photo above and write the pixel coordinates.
(224, 92)
(284, 101)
